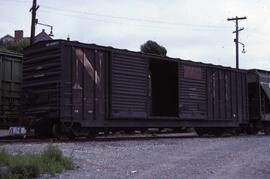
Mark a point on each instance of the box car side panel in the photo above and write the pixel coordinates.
(66, 87)
(245, 97)
(129, 85)
(192, 92)
(1, 76)
(83, 87)
(227, 95)
(211, 93)
(218, 94)
(10, 88)
(41, 80)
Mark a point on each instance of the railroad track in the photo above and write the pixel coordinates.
(118, 137)
(108, 138)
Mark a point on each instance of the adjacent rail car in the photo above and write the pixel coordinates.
(10, 88)
(259, 99)
(78, 87)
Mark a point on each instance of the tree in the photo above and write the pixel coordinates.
(16, 46)
(153, 48)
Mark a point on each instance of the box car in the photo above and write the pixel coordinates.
(10, 88)
(80, 86)
(259, 98)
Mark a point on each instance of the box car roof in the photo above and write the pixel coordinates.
(88, 45)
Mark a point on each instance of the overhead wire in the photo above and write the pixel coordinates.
(154, 26)
(130, 18)
(123, 19)
(130, 23)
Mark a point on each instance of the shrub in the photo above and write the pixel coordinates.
(54, 161)
(26, 171)
(22, 166)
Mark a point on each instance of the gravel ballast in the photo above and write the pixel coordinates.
(246, 157)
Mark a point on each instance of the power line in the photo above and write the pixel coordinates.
(20, 1)
(132, 18)
(125, 23)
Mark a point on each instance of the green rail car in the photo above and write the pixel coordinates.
(10, 88)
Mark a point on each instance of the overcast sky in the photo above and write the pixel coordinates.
(189, 29)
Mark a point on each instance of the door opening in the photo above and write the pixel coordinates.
(164, 88)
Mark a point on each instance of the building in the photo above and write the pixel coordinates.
(6, 39)
(42, 36)
(18, 35)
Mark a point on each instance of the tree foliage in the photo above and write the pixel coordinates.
(153, 48)
(16, 46)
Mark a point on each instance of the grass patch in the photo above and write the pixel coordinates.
(29, 165)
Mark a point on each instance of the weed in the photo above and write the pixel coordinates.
(28, 165)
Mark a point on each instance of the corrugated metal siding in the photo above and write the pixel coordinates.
(245, 97)
(211, 93)
(264, 76)
(128, 85)
(10, 87)
(192, 91)
(264, 83)
(227, 95)
(41, 79)
(82, 96)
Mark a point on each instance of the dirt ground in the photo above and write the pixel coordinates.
(246, 157)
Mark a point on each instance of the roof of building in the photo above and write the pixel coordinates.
(42, 36)
(6, 36)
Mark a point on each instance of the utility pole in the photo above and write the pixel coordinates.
(34, 21)
(236, 40)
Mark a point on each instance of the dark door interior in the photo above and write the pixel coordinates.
(164, 88)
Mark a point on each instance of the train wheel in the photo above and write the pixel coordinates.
(201, 131)
(56, 131)
(107, 132)
(143, 131)
(236, 132)
(266, 131)
(129, 131)
(251, 131)
(43, 129)
(71, 135)
(92, 134)
(217, 132)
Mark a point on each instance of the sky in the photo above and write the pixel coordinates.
(189, 29)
